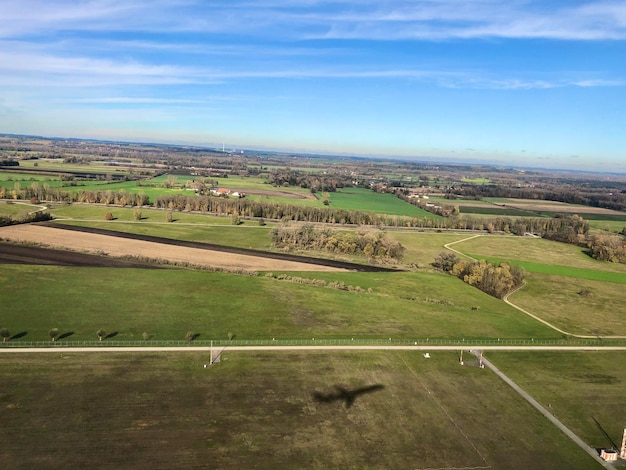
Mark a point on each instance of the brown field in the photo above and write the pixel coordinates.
(276, 193)
(552, 206)
(123, 247)
(547, 206)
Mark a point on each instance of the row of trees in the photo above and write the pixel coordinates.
(494, 279)
(374, 244)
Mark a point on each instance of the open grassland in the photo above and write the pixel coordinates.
(149, 410)
(534, 250)
(421, 248)
(250, 235)
(585, 390)
(168, 303)
(17, 208)
(576, 305)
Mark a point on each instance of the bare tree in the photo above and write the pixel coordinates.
(101, 334)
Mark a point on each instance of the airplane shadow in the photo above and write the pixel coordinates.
(345, 395)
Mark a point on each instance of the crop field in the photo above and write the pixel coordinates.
(359, 199)
(585, 390)
(269, 410)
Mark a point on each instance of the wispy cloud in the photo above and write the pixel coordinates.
(348, 19)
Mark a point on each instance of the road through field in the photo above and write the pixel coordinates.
(553, 419)
(476, 350)
(141, 349)
(517, 307)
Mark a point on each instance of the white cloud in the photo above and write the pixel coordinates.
(390, 20)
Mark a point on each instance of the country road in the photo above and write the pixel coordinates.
(553, 419)
(143, 349)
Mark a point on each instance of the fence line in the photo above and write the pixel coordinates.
(320, 342)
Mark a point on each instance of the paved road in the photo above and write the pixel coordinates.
(568, 432)
(141, 349)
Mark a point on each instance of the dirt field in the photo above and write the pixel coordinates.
(275, 193)
(554, 206)
(117, 246)
(66, 245)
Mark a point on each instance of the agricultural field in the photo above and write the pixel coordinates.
(359, 199)
(269, 410)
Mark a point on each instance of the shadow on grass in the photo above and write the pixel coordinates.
(19, 335)
(345, 395)
(65, 335)
(111, 335)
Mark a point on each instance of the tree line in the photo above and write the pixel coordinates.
(375, 244)
(569, 229)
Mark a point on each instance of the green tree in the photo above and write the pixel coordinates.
(54, 334)
(445, 261)
(5, 334)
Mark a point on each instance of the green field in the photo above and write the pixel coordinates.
(577, 387)
(560, 301)
(168, 303)
(359, 199)
(149, 410)
(535, 250)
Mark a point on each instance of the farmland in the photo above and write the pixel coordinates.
(262, 409)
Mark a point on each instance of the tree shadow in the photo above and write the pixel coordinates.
(65, 335)
(606, 434)
(21, 334)
(111, 335)
(195, 336)
(345, 395)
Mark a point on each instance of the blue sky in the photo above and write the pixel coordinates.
(516, 82)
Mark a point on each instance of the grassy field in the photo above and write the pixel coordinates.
(577, 387)
(17, 208)
(168, 303)
(558, 300)
(148, 410)
(360, 199)
(535, 250)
